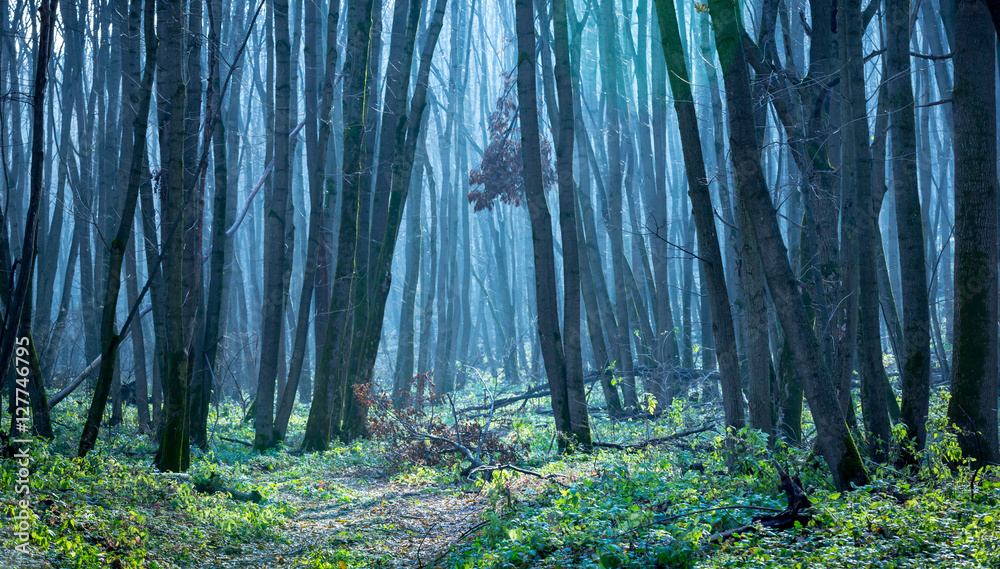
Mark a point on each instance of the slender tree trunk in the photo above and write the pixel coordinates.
(542, 241)
(205, 365)
(835, 441)
(712, 268)
(19, 299)
(666, 341)
(404, 353)
(194, 213)
(406, 17)
(52, 234)
(110, 339)
(593, 255)
(602, 359)
(687, 287)
(610, 78)
(430, 278)
(858, 212)
(275, 226)
(576, 397)
(157, 295)
(318, 132)
(388, 211)
(328, 396)
(915, 361)
(138, 338)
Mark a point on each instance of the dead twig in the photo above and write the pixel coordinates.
(495, 467)
(475, 462)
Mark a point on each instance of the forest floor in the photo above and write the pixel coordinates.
(367, 504)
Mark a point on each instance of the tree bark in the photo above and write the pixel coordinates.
(19, 301)
(430, 278)
(327, 406)
(863, 264)
(712, 268)
(576, 396)
(318, 132)
(541, 222)
(915, 360)
(610, 80)
(275, 226)
(973, 405)
(404, 354)
(836, 443)
(110, 338)
(387, 215)
(174, 452)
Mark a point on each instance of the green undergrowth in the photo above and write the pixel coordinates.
(113, 509)
(658, 506)
(662, 507)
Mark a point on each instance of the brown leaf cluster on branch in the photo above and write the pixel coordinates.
(420, 434)
(498, 175)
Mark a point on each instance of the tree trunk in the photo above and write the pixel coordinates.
(204, 363)
(388, 211)
(712, 268)
(836, 443)
(973, 405)
(174, 452)
(541, 224)
(318, 132)
(430, 278)
(142, 390)
(858, 211)
(19, 300)
(157, 294)
(275, 226)
(328, 396)
(404, 354)
(915, 359)
(194, 214)
(687, 283)
(576, 396)
(611, 81)
(110, 338)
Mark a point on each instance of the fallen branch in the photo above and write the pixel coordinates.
(256, 189)
(786, 519)
(76, 382)
(214, 484)
(533, 393)
(475, 462)
(657, 441)
(126, 329)
(237, 441)
(495, 467)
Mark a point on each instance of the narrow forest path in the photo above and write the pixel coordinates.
(371, 521)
